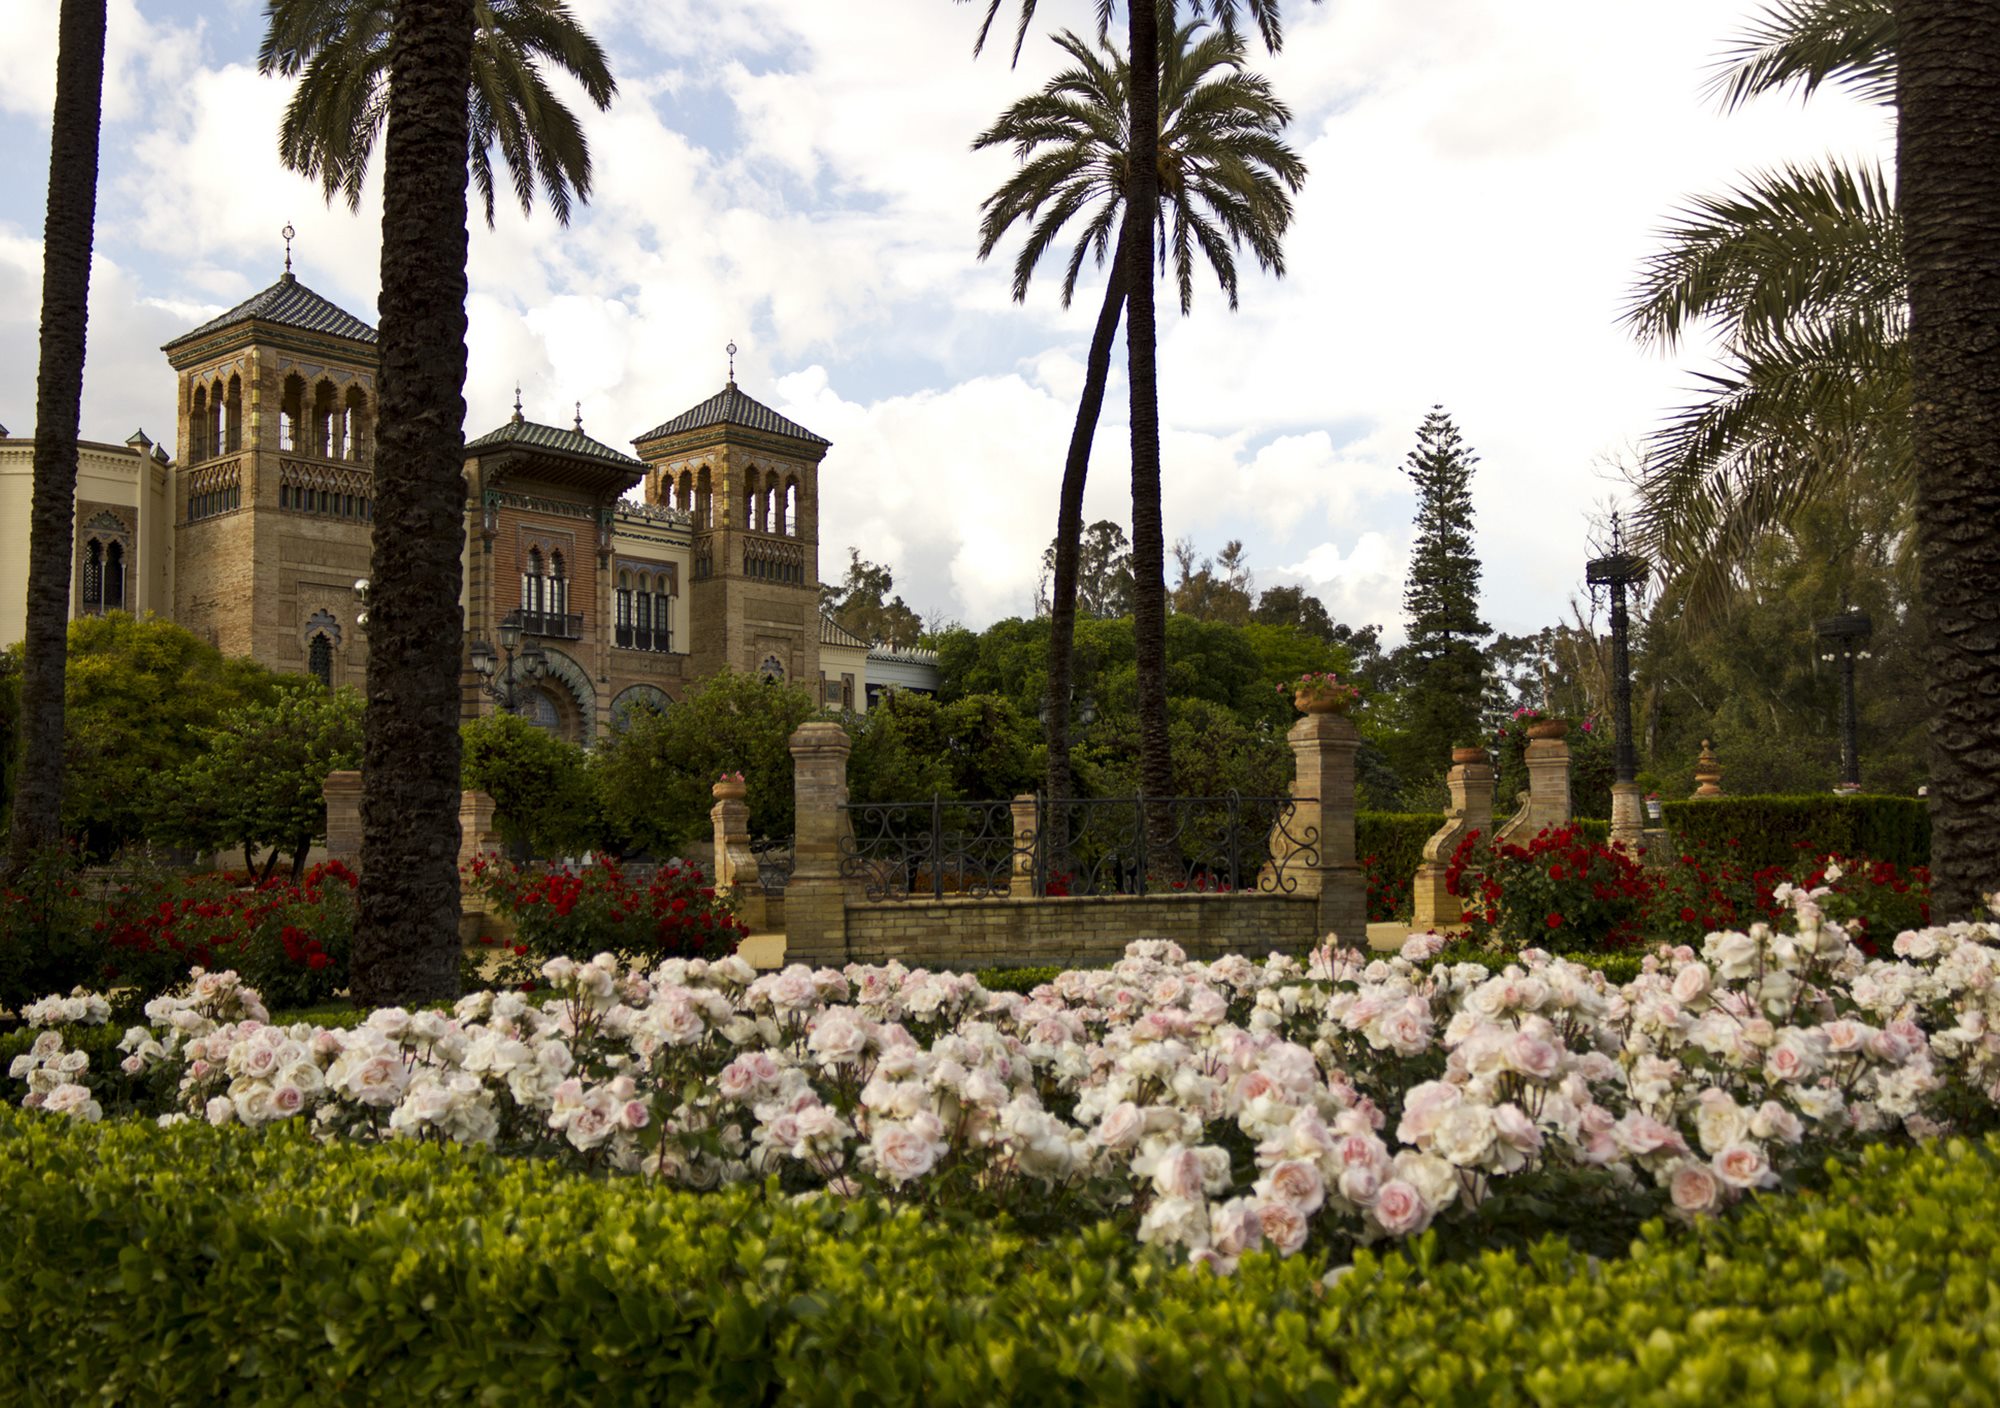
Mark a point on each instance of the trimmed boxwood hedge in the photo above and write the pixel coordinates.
(1763, 831)
(222, 1266)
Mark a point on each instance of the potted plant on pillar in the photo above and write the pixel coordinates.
(1536, 724)
(730, 787)
(1322, 693)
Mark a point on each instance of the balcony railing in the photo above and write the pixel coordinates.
(556, 625)
(660, 638)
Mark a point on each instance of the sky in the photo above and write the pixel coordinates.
(1485, 177)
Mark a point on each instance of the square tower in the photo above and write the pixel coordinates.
(273, 495)
(749, 480)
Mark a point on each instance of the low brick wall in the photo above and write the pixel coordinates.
(1075, 932)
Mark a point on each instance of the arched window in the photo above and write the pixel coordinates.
(114, 575)
(198, 425)
(558, 585)
(292, 414)
(704, 500)
(212, 433)
(642, 616)
(325, 432)
(232, 416)
(624, 609)
(532, 582)
(750, 506)
(686, 498)
(93, 576)
(792, 506)
(319, 659)
(356, 423)
(663, 621)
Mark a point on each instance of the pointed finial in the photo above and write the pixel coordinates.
(289, 233)
(517, 403)
(579, 417)
(731, 350)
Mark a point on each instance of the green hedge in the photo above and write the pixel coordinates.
(197, 1265)
(1396, 840)
(1776, 830)
(1018, 979)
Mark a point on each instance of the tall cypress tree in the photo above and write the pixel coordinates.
(1443, 668)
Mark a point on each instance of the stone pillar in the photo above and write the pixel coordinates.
(342, 791)
(1628, 815)
(1547, 802)
(1021, 875)
(736, 875)
(1471, 786)
(816, 897)
(1323, 749)
(477, 834)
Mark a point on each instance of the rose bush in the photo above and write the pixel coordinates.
(599, 908)
(1212, 1108)
(1562, 891)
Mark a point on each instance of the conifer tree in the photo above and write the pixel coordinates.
(1443, 668)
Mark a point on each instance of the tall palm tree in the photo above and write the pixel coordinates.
(1149, 579)
(66, 247)
(1225, 180)
(339, 52)
(1948, 178)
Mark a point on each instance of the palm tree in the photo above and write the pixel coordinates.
(1948, 176)
(1149, 579)
(1225, 180)
(66, 247)
(339, 51)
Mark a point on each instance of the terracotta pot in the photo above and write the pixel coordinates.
(1548, 728)
(1468, 755)
(730, 790)
(1321, 704)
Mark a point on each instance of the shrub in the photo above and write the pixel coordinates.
(413, 1273)
(1562, 892)
(541, 786)
(1779, 830)
(1017, 979)
(600, 909)
(44, 928)
(1391, 847)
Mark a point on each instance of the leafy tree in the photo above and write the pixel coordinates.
(910, 748)
(1442, 667)
(1295, 606)
(66, 250)
(862, 604)
(1222, 589)
(544, 796)
(339, 52)
(1200, 137)
(1103, 573)
(654, 778)
(257, 779)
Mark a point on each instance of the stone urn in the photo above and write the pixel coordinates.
(1468, 755)
(1548, 728)
(730, 789)
(1323, 703)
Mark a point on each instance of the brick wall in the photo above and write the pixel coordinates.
(1076, 932)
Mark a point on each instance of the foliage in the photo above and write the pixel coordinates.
(339, 51)
(44, 928)
(141, 696)
(862, 604)
(1779, 830)
(910, 748)
(1391, 847)
(1591, 765)
(654, 778)
(1221, 589)
(1018, 979)
(599, 908)
(259, 779)
(543, 793)
(1103, 575)
(1561, 892)
(1441, 668)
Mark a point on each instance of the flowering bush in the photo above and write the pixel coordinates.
(44, 927)
(1388, 890)
(1211, 1108)
(292, 941)
(1323, 687)
(599, 909)
(1562, 892)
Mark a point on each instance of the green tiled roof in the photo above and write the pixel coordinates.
(291, 304)
(831, 632)
(731, 407)
(528, 434)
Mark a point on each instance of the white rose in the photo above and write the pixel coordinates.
(1693, 1187)
(1284, 1227)
(1743, 1166)
(1401, 1209)
(1295, 1183)
(1463, 1134)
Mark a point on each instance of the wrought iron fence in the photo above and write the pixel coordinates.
(1093, 846)
(774, 865)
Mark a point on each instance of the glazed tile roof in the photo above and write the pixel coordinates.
(831, 632)
(528, 434)
(731, 407)
(291, 304)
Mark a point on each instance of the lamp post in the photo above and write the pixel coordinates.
(1844, 636)
(1619, 570)
(534, 664)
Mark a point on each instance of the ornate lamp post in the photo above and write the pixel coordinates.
(1619, 570)
(1844, 636)
(534, 664)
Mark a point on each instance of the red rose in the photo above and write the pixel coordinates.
(1555, 921)
(1687, 916)
(1555, 872)
(317, 961)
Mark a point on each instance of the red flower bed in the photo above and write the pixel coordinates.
(599, 909)
(1561, 892)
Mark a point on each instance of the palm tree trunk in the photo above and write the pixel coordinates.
(66, 245)
(1948, 179)
(1149, 579)
(1069, 526)
(406, 937)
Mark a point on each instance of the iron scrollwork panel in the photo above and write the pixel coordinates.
(932, 850)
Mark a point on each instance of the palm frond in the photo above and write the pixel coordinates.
(1807, 43)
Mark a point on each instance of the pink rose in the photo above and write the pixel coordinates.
(1284, 1226)
(1298, 1184)
(1693, 1188)
(1743, 1166)
(1178, 1173)
(1401, 1209)
(1360, 1185)
(1121, 1126)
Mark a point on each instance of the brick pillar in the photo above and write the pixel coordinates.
(1628, 815)
(1021, 877)
(736, 874)
(816, 897)
(342, 791)
(477, 834)
(1547, 804)
(1323, 749)
(1471, 786)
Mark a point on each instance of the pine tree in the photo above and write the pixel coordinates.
(1443, 668)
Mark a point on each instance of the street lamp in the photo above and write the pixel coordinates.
(1086, 713)
(1618, 570)
(534, 664)
(361, 595)
(1844, 636)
